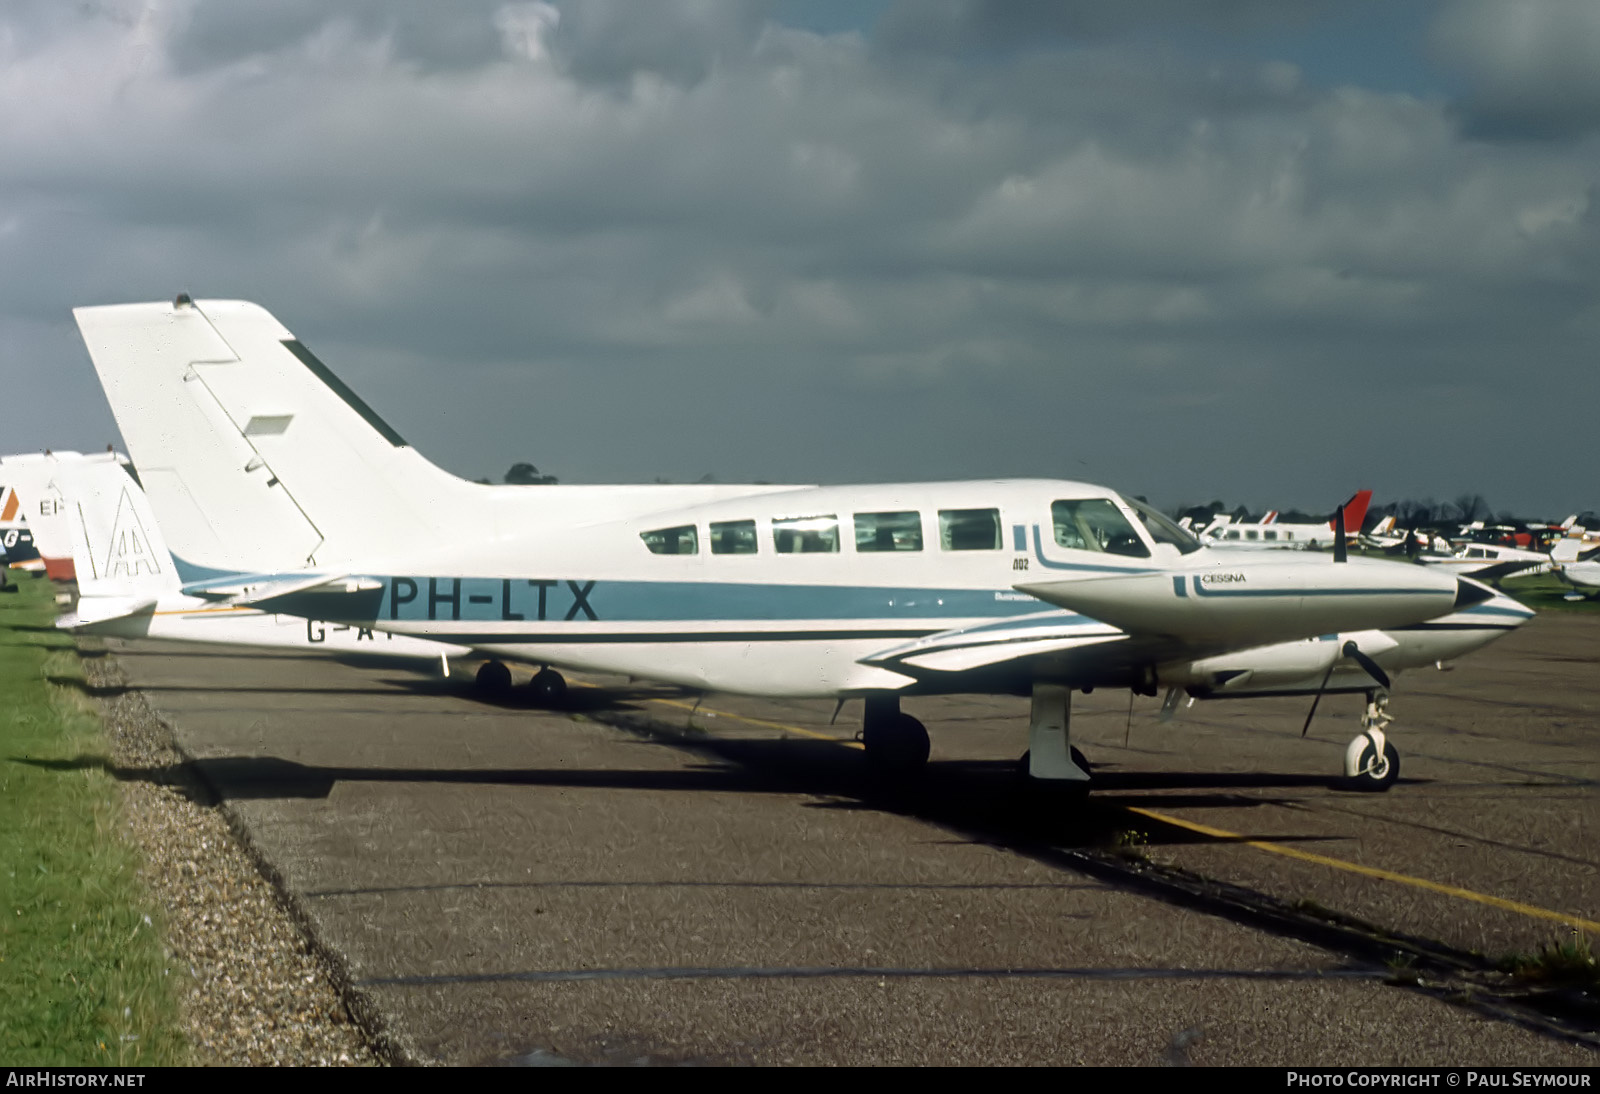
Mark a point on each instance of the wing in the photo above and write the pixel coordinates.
(1055, 645)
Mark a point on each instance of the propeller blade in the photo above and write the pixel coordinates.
(1341, 553)
(1374, 670)
(1169, 705)
(1312, 713)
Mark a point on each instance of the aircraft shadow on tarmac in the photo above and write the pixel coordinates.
(980, 798)
(105, 691)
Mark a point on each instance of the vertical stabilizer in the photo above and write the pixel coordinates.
(255, 456)
(117, 546)
(1355, 512)
(1568, 548)
(37, 478)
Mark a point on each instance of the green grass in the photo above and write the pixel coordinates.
(1568, 962)
(83, 979)
(1544, 593)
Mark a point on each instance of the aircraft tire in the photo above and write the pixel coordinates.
(493, 678)
(1379, 778)
(896, 745)
(548, 687)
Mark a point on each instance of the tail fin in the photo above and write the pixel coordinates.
(1355, 512)
(38, 481)
(1384, 526)
(15, 534)
(255, 455)
(117, 547)
(1568, 549)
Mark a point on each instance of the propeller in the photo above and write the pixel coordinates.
(1353, 652)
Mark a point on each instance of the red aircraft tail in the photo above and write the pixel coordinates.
(1355, 512)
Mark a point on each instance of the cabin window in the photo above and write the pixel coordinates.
(1252, 536)
(1096, 524)
(681, 540)
(1273, 536)
(969, 529)
(733, 537)
(888, 531)
(1232, 535)
(806, 535)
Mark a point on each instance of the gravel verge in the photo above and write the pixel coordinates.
(260, 990)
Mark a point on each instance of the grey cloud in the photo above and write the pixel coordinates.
(681, 41)
(458, 35)
(979, 27)
(1532, 67)
(774, 254)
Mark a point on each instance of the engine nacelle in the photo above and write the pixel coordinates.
(1288, 665)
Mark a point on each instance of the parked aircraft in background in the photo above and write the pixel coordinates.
(35, 479)
(129, 587)
(287, 493)
(1269, 532)
(1489, 561)
(1577, 561)
(16, 538)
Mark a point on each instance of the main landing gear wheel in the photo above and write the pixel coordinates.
(548, 687)
(896, 744)
(493, 678)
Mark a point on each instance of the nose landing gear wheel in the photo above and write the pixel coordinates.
(1374, 771)
(896, 745)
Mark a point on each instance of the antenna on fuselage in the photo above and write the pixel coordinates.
(1341, 553)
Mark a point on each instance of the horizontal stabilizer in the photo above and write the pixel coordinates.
(100, 609)
(253, 589)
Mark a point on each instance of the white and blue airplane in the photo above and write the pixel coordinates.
(280, 489)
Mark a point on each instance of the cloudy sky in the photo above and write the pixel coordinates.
(1256, 250)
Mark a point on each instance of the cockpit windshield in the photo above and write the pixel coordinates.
(1161, 528)
(1096, 524)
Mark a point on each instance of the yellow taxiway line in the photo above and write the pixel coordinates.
(1375, 872)
(1372, 871)
(779, 726)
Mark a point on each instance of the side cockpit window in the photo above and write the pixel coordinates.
(1163, 529)
(733, 537)
(1096, 524)
(888, 531)
(681, 540)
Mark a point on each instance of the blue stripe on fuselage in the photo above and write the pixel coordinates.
(602, 600)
